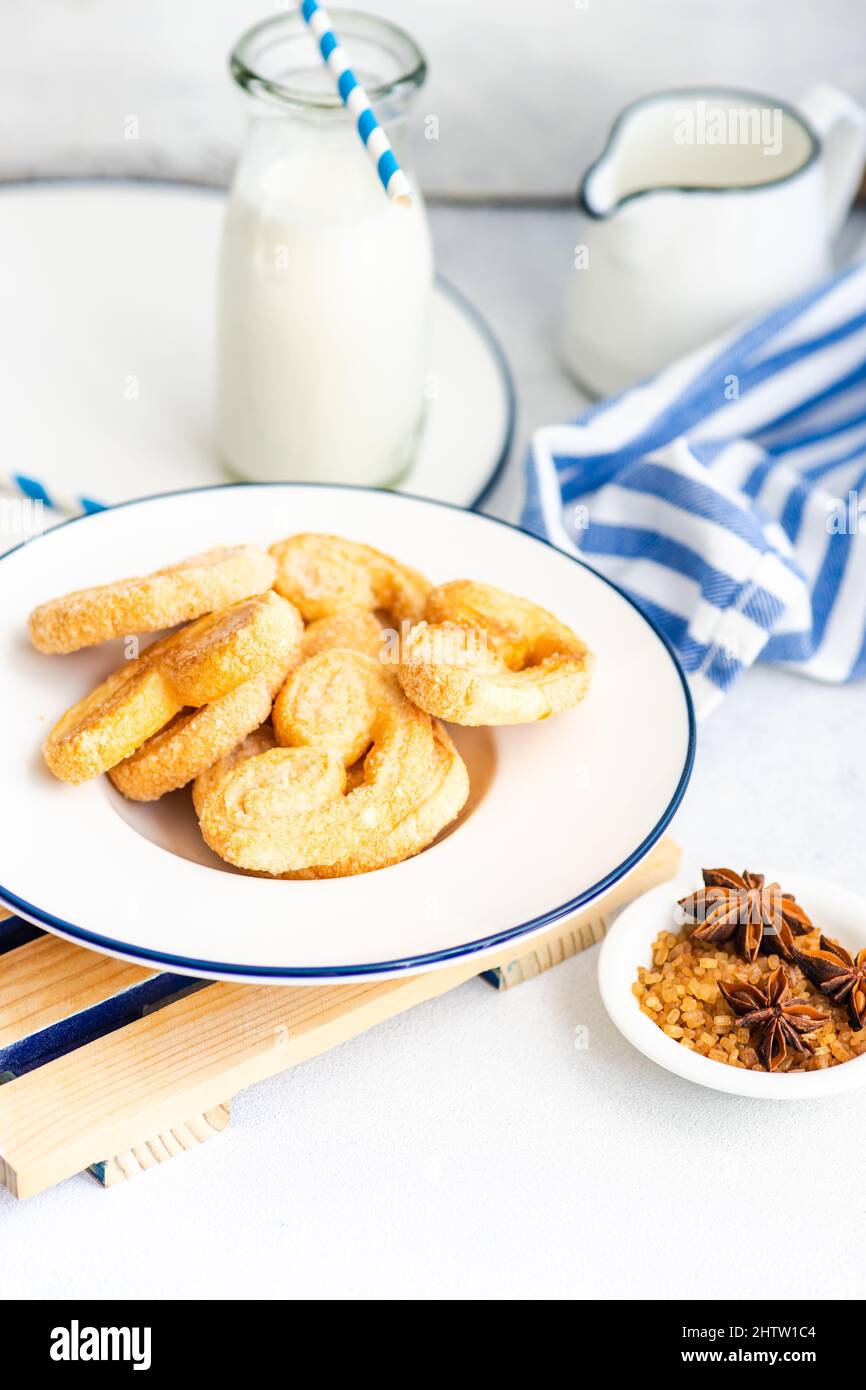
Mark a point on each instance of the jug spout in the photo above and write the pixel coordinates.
(600, 193)
(625, 193)
(630, 229)
(697, 140)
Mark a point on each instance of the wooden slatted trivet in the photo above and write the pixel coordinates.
(99, 1057)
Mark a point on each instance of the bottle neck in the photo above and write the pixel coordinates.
(279, 65)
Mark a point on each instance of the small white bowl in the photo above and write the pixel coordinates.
(838, 912)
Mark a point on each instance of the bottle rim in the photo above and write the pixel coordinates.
(246, 67)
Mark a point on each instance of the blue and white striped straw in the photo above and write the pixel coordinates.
(67, 503)
(357, 103)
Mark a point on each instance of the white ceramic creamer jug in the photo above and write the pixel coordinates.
(707, 206)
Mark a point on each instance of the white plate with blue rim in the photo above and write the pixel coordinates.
(558, 812)
(841, 915)
(120, 349)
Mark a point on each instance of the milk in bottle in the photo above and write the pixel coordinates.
(325, 284)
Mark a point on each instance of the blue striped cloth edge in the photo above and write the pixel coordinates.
(727, 494)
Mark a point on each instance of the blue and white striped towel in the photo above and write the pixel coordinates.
(727, 495)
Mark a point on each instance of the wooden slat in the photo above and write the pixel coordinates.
(179, 1062)
(544, 957)
(151, 1152)
(48, 980)
(189, 1058)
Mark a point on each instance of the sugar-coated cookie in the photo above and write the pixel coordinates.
(483, 656)
(193, 666)
(202, 584)
(111, 722)
(288, 809)
(219, 651)
(441, 801)
(261, 740)
(322, 574)
(355, 628)
(192, 742)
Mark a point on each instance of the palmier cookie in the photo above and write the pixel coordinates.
(202, 584)
(197, 739)
(261, 740)
(287, 809)
(199, 663)
(358, 629)
(322, 574)
(483, 656)
(441, 801)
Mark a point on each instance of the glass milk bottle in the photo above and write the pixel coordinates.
(325, 284)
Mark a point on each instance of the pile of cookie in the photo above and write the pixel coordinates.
(300, 694)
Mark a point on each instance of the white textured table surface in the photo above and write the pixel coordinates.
(467, 1149)
(523, 95)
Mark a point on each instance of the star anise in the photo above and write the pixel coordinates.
(842, 977)
(780, 1020)
(760, 913)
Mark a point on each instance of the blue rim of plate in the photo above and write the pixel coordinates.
(211, 969)
(450, 291)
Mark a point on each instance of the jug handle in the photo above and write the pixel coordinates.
(841, 124)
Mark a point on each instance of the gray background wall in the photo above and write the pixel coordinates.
(524, 92)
